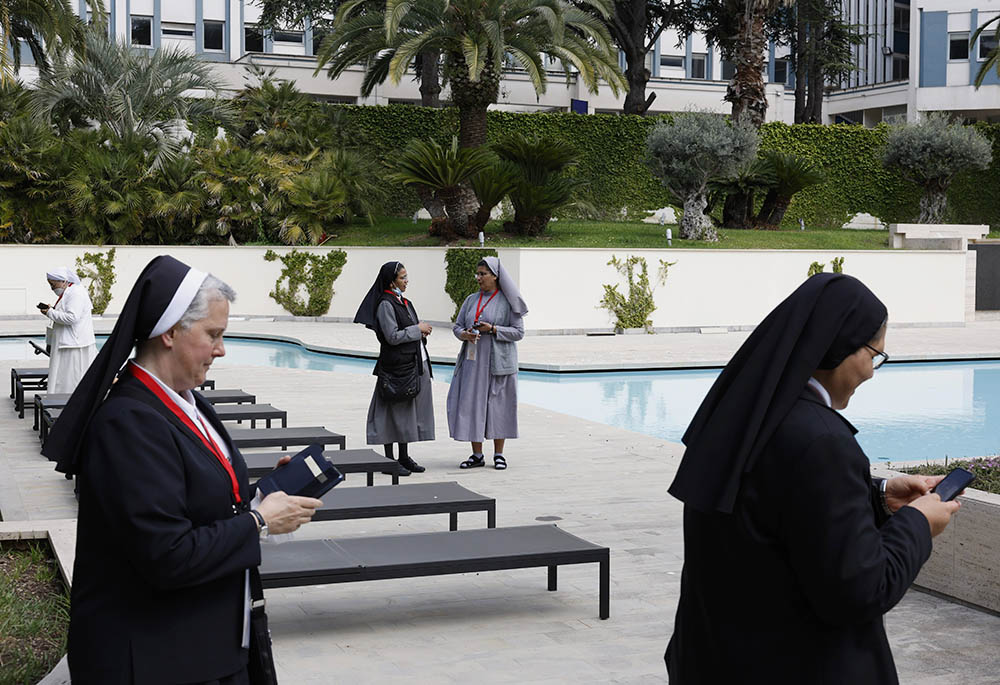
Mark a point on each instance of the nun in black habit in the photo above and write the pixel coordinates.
(402, 338)
(792, 551)
(168, 534)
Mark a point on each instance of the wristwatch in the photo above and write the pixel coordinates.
(261, 523)
(885, 503)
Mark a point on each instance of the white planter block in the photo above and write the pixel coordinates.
(865, 222)
(664, 215)
(935, 236)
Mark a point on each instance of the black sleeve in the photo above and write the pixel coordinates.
(881, 515)
(850, 570)
(136, 472)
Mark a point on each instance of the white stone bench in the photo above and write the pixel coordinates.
(935, 236)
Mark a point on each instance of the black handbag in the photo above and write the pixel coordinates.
(260, 666)
(399, 386)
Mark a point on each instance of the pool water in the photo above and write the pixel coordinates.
(906, 412)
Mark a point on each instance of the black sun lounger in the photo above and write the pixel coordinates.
(319, 562)
(252, 413)
(347, 461)
(245, 438)
(22, 379)
(412, 499)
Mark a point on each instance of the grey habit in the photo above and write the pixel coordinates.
(409, 420)
(482, 399)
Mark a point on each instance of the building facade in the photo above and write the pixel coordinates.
(686, 73)
(917, 58)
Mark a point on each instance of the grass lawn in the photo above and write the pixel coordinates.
(611, 234)
(34, 612)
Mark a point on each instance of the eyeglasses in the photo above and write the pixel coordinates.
(404, 277)
(880, 357)
(479, 274)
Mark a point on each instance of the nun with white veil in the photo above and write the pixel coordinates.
(482, 399)
(70, 336)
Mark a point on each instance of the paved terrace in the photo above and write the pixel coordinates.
(605, 484)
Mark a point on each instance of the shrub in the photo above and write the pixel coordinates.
(316, 273)
(633, 311)
(690, 151)
(931, 153)
(460, 264)
(791, 173)
(986, 470)
(101, 272)
(541, 188)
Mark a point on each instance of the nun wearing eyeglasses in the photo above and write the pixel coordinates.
(792, 551)
(482, 399)
(70, 335)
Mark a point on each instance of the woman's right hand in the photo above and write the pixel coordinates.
(425, 328)
(938, 513)
(285, 513)
(468, 336)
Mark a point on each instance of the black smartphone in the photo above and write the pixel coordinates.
(42, 305)
(953, 484)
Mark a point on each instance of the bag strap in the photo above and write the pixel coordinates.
(256, 592)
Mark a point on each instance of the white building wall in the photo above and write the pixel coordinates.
(704, 287)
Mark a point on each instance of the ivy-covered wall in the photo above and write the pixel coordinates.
(612, 149)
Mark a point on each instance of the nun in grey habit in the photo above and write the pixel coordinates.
(482, 399)
(402, 340)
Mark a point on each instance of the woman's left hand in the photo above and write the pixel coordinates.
(484, 327)
(902, 490)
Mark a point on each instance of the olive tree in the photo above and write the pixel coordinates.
(693, 149)
(930, 153)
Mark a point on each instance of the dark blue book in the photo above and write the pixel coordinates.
(308, 474)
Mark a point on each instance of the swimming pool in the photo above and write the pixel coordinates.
(907, 412)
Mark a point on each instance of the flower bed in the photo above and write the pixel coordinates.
(986, 470)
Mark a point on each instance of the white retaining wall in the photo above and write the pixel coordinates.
(705, 288)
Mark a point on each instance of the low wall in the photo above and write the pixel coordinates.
(705, 288)
(965, 563)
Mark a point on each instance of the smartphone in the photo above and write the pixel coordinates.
(953, 484)
(42, 305)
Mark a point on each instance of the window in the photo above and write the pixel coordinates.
(958, 46)
(253, 39)
(319, 35)
(900, 67)
(698, 62)
(901, 16)
(178, 30)
(288, 37)
(142, 31)
(987, 45)
(728, 70)
(212, 34)
(781, 71)
(672, 61)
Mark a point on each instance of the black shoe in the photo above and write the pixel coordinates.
(400, 470)
(411, 465)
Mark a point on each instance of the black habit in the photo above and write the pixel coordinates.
(789, 564)
(791, 587)
(161, 556)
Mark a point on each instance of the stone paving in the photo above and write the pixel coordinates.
(605, 484)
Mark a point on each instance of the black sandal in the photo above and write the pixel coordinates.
(499, 463)
(472, 462)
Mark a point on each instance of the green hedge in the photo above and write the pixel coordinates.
(612, 150)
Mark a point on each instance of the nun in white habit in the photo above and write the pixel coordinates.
(70, 335)
(482, 399)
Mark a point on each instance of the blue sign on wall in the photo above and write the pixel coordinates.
(578, 106)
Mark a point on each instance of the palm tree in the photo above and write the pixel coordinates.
(475, 38)
(136, 96)
(38, 23)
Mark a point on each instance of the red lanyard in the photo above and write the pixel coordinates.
(206, 437)
(399, 298)
(480, 306)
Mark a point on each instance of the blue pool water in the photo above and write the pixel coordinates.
(907, 412)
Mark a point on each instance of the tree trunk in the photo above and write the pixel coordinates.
(694, 224)
(773, 219)
(471, 126)
(430, 80)
(814, 104)
(431, 202)
(747, 91)
(801, 62)
(638, 76)
(933, 204)
(736, 209)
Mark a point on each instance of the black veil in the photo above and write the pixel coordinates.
(826, 319)
(369, 305)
